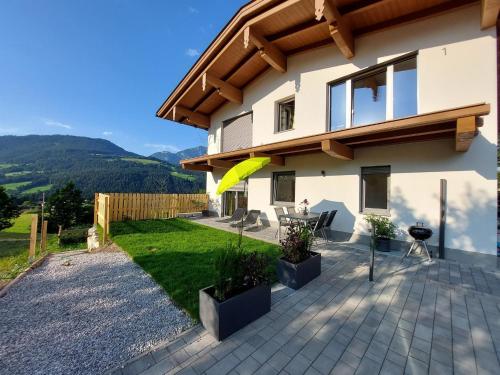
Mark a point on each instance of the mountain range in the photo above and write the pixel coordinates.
(176, 157)
(30, 165)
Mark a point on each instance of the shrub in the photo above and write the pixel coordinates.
(384, 228)
(295, 246)
(73, 236)
(8, 209)
(237, 270)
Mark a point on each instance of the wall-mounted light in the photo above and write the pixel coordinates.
(323, 173)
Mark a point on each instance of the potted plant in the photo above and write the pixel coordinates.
(304, 205)
(385, 231)
(299, 264)
(240, 292)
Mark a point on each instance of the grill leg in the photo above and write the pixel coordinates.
(409, 251)
(426, 250)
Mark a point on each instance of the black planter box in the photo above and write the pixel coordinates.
(295, 276)
(384, 244)
(222, 319)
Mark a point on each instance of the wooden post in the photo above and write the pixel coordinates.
(33, 236)
(105, 229)
(43, 245)
(372, 253)
(96, 207)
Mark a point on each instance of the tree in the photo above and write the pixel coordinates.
(8, 209)
(65, 206)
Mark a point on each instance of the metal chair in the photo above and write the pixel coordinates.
(281, 220)
(237, 215)
(291, 210)
(250, 220)
(318, 225)
(328, 222)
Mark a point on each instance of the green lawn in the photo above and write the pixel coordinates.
(38, 189)
(141, 161)
(183, 176)
(15, 185)
(178, 254)
(6, 165)
(17, 174)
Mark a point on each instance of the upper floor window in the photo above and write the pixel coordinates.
(286, 114)
(385, 92)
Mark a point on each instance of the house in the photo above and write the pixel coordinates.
(386, 107)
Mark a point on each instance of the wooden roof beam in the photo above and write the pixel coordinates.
(337, 150)
(339, 28)
(218, 163)
(268, 51)
(275, 159)
(489, 13)
(197, 167)
(198, 119)
(466, 131)
(224, 89)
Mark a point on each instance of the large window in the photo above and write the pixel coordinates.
(286, 112)
(375, 189)
(283, 188)
(384, 92)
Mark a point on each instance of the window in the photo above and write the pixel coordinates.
(405, 88)
(338, 106)
(375, 189)
(283, 187)
(286, 112)
(380, 93)
(369, 99)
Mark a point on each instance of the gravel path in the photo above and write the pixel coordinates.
(85, 317)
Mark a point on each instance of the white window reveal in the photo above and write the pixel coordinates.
(375, 187)
(385, 92)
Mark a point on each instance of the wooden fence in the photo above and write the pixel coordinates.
(131, 206)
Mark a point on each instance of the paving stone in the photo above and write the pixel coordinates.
(396, 358)
(279, 360)
(266, 370)
(266, 351)
(343, 369)
(139, 365)
(248, 366)
(415, 367)
(161, 367)
(298, 365)
(390, 368)
(224, 365)
(368, 367)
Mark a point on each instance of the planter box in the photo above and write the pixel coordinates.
(384, 244)
(222, 319)
(296, 276)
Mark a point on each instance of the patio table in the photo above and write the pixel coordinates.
(300, 217)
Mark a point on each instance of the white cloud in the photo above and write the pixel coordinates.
(107, 133)
(57, 124)
(192, 52)
(161, 147)
(193, 10)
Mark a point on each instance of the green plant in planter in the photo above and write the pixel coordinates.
(384, 228)
(237, 270)
(297, 243)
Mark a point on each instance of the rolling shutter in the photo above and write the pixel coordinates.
(237, 133)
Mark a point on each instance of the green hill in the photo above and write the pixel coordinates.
(35, 163)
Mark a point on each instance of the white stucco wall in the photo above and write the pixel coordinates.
(456, 66)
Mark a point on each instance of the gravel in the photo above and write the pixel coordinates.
(83, 314)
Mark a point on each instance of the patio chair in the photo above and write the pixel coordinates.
(250, 220)
(237, 215)
(319, 226)
(291, 210)
(281, 221)
(328, 222)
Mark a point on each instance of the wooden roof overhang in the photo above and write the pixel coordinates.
(263, 33)
(458, 123)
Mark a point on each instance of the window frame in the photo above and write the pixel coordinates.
(274, 175)
(349, 78)
(278, 114)
(376, 211)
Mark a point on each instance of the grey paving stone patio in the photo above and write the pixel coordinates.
(416, 318)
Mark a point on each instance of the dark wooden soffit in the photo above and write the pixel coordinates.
(460, 123)
(263, 33)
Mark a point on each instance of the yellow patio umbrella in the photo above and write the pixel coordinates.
(240, 172)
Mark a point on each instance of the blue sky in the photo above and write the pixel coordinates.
(101, 68)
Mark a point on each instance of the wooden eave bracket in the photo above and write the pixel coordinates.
(195, 118)
(268, 51)
(337, 150)
(218, 163)
(465, 133)
(224, 89)
(489, 13)
(337, 25)
(275, 159)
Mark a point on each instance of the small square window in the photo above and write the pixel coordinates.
(283, 188)
(375, 189)
(286, 114)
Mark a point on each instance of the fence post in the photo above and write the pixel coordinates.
(33, 236)
(96, 207)
(105, 229)
(43, 244)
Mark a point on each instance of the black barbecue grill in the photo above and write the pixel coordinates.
(420, 234)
